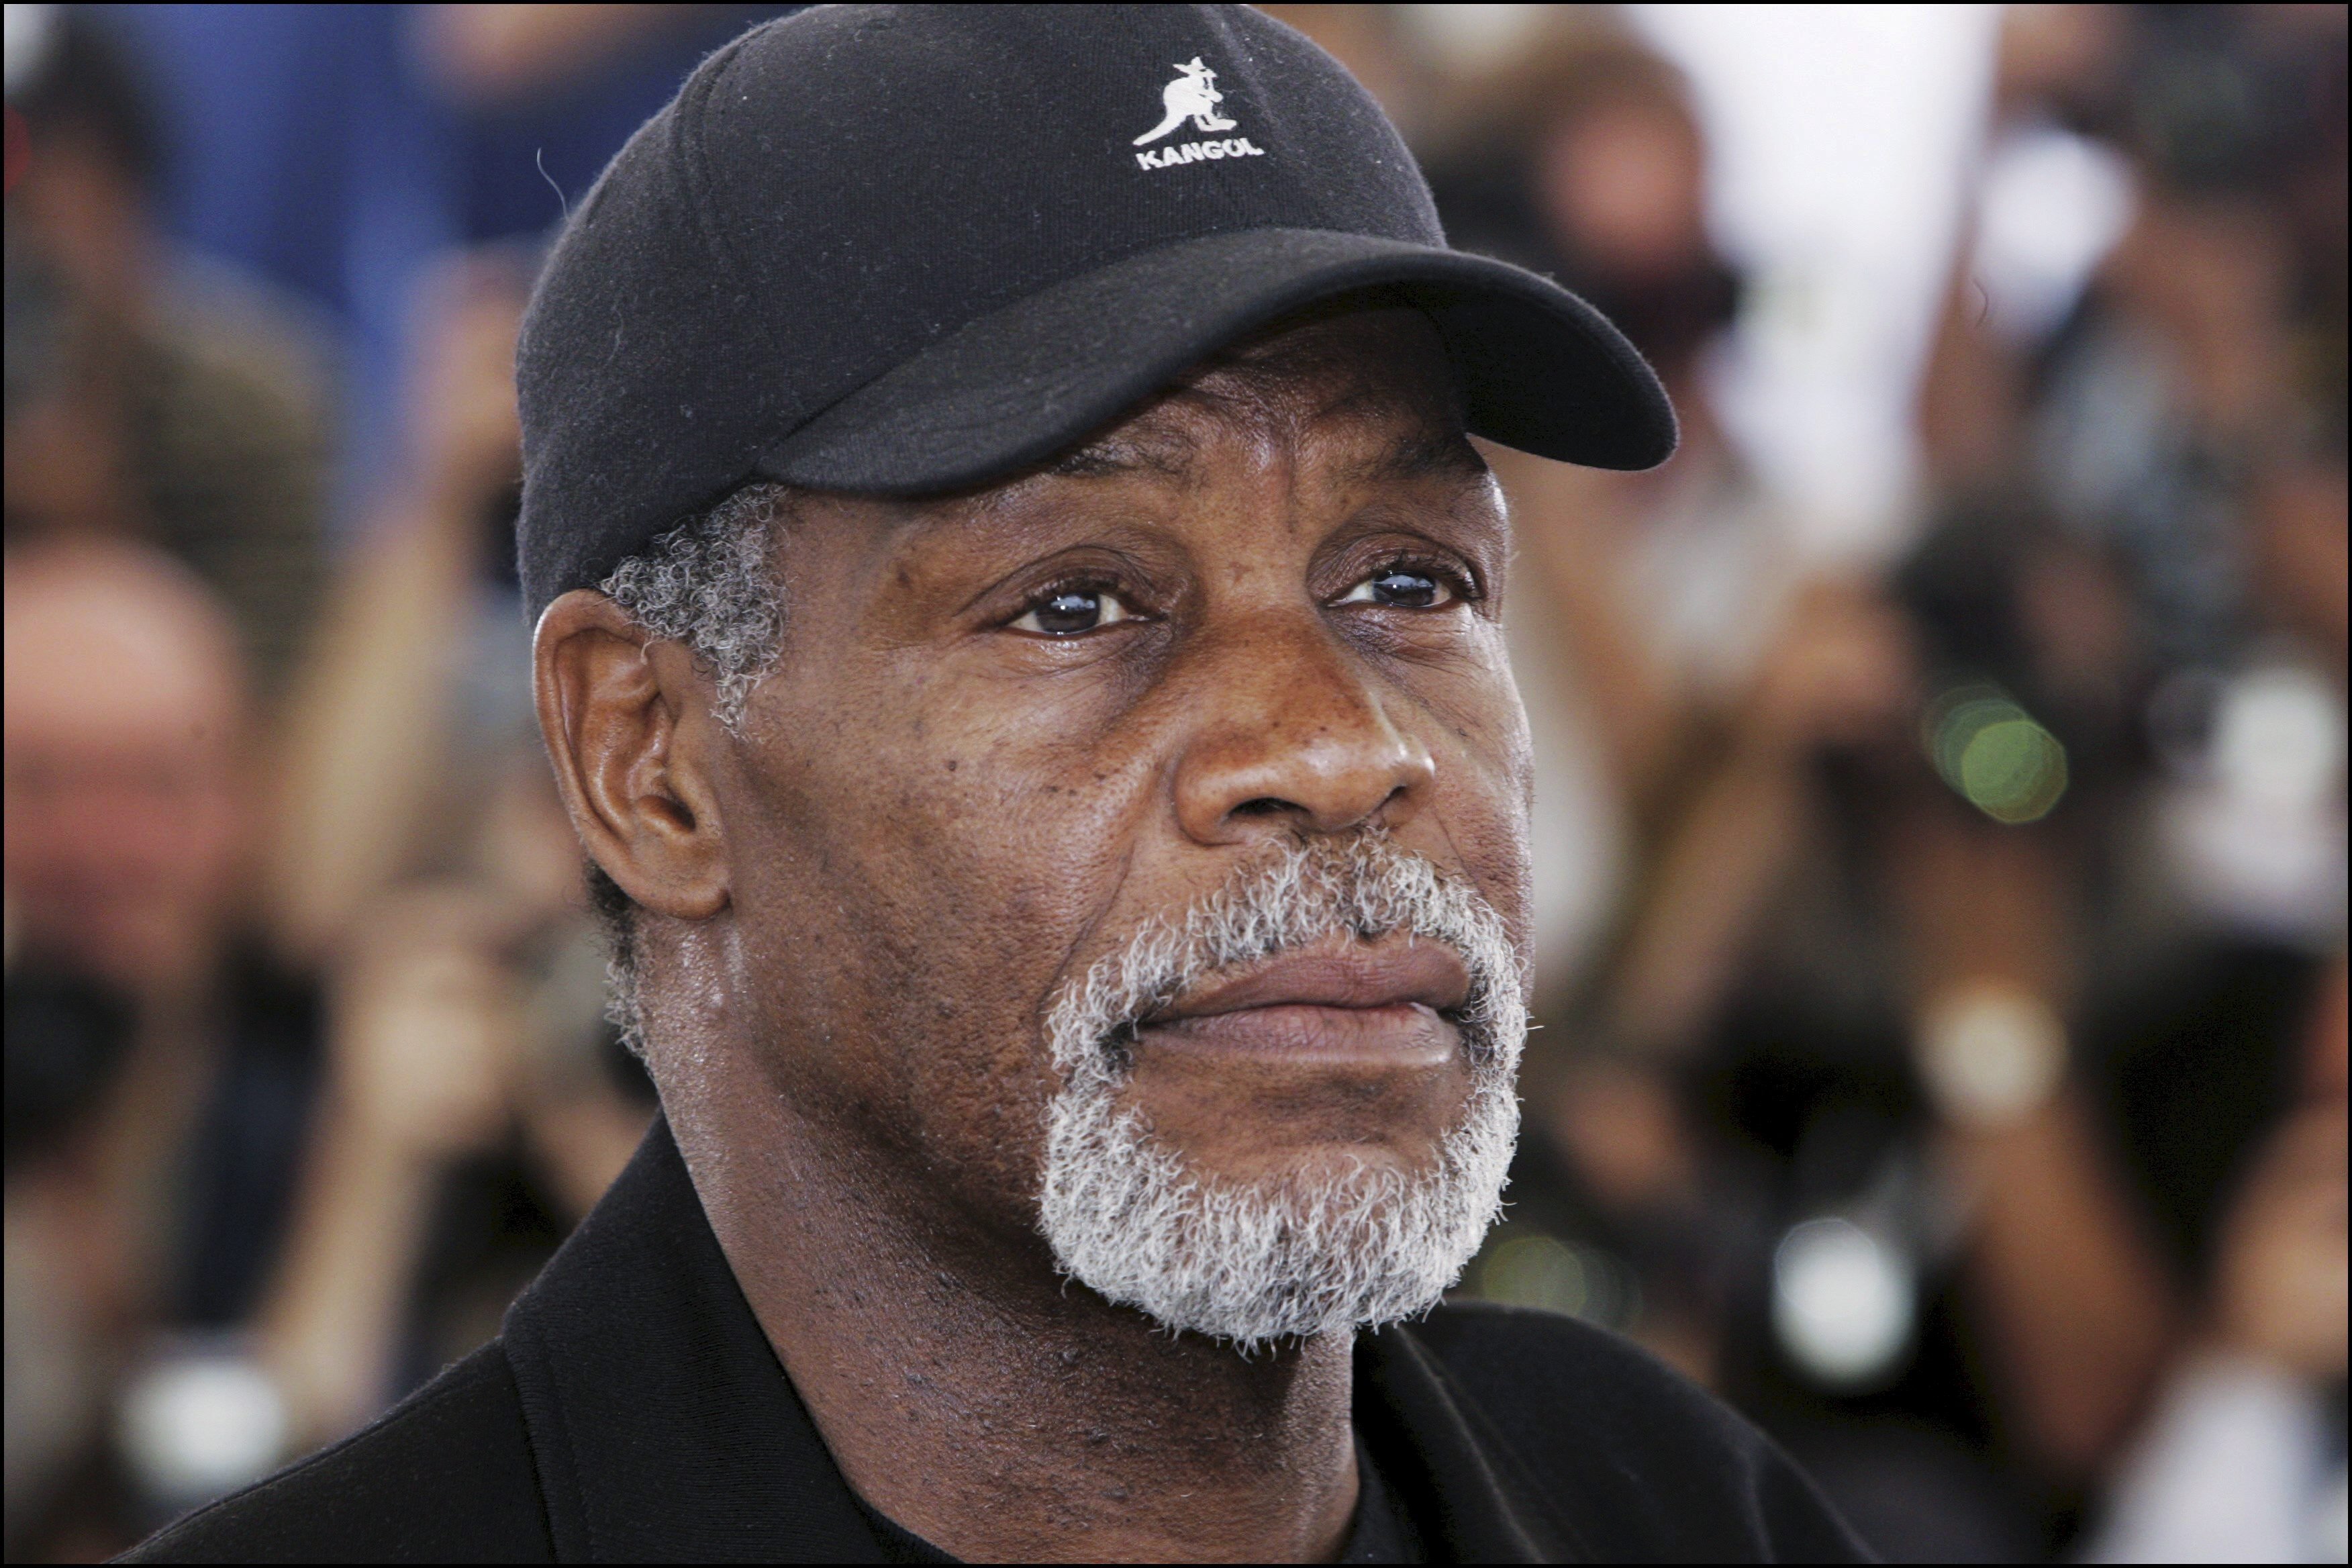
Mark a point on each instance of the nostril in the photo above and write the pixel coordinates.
(1264, 805)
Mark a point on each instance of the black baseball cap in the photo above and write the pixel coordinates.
(908, 249)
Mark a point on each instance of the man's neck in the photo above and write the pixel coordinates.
(977, 1399)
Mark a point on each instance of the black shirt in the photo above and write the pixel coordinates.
(634, 1411)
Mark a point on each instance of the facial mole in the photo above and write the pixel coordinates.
(951, 764)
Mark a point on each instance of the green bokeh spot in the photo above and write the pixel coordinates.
(2011, 769)
(1537, 1271)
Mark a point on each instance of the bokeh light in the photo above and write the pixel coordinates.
(1843, 1302)
(1544, 1271)
(2000, 758)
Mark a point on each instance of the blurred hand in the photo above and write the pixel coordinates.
(1980, 901)
(500, 54)
(525, 853)
(1839, 673)
(2214, 277)
(2280, 1285)
(469, 437)
(428, 1027)
(1619, 1124)
(2300, 556)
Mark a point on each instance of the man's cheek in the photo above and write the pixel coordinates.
(1487, 790)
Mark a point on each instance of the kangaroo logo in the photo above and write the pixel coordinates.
(1193, 93)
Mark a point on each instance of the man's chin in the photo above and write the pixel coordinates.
(1332, 1237)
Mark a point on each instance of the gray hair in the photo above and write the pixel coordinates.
(711, 584)
(1291, 1255)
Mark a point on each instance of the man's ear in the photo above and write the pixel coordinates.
(623, 718)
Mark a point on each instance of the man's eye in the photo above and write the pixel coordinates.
(1404, 587)
(1068, 611)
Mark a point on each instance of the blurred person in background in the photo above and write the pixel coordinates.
(1583, 160)
(150, 395)
(145, 1208)
(1768, 1083)
(384, 758)
(2242, 1455)
(205, 1277)
(478, 1101)
(2143, 958)
(414, 857)
(2189, 416)
(2181, 418)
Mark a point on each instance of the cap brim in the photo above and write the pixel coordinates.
(1541, 369)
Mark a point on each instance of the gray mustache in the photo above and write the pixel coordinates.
(1363, 885)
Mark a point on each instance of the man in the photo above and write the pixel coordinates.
(154, 1130)
(1062, 801)
(151, 394)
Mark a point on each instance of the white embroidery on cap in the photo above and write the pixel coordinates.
(1194, 95)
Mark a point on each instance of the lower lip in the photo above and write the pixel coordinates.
(1404, 1034)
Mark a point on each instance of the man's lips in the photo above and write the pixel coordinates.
(1385, 973)
(1368, 1000)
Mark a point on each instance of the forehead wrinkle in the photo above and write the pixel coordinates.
(1412, 435)
(1369, 397)
(1140, 445)
(999, 518)
(1416, 425)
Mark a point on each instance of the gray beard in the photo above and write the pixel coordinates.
(1287, 1255)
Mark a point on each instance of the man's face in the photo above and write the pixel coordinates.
(124, 722)
(1007, 732)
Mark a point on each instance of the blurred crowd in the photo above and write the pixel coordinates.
(1946, 1065)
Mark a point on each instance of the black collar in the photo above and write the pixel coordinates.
(664, 1427)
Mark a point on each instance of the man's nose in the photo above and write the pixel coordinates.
(1296, 735)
